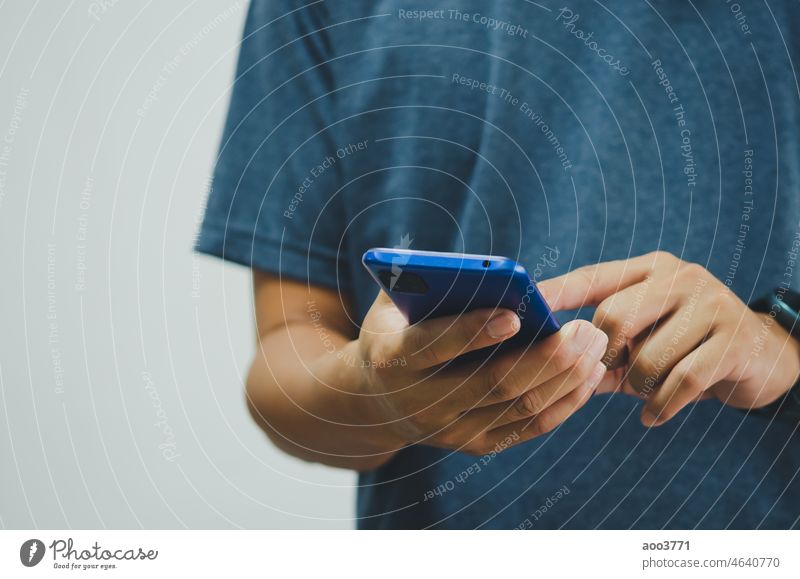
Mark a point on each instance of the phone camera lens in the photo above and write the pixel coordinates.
(403, 282)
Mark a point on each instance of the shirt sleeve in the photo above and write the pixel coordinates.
(273, 203)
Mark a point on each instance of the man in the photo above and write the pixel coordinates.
(640, 158)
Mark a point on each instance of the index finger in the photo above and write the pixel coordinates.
(591, 284)
(439, 340)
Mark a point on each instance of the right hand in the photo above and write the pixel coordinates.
(415, 389)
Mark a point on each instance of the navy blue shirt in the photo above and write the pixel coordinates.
(558, 135)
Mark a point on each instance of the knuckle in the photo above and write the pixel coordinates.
(663, 257)
(645, 365)
(430, 355)
(507, 389)
(564, 357)
(496, 370)
(494, 376)
(527, 405)
(608, 317)
(504, 382)
(725, 299)
(693, 269)
(689, 379)
(606, 310)
(542, 425)
(487, 447)
(691, 273)
(476, 447)
(448, 439)
(584, 368)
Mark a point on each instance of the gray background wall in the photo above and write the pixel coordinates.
(121, 352)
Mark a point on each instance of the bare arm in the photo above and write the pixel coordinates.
(326, 393)
(302, 386)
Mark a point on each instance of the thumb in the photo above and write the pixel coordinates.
(383, 315)
(383, 299)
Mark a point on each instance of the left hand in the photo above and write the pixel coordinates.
(676, 335)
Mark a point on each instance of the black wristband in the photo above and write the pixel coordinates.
(784, 306)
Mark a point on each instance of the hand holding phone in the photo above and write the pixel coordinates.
(422, 387)
(430, 284)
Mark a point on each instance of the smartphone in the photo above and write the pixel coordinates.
(430, 284)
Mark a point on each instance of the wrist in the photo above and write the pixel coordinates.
(346, 378)
(779, 311)
(784, 364)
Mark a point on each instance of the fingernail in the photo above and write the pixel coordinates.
(597, 375)
(648, 418)
(598, 346)
(503, 325)
(580, 335)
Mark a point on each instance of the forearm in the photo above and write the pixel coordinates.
(303, 392)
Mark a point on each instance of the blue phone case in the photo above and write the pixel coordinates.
(456, 283)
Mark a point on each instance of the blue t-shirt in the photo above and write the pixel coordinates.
(558, 135)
